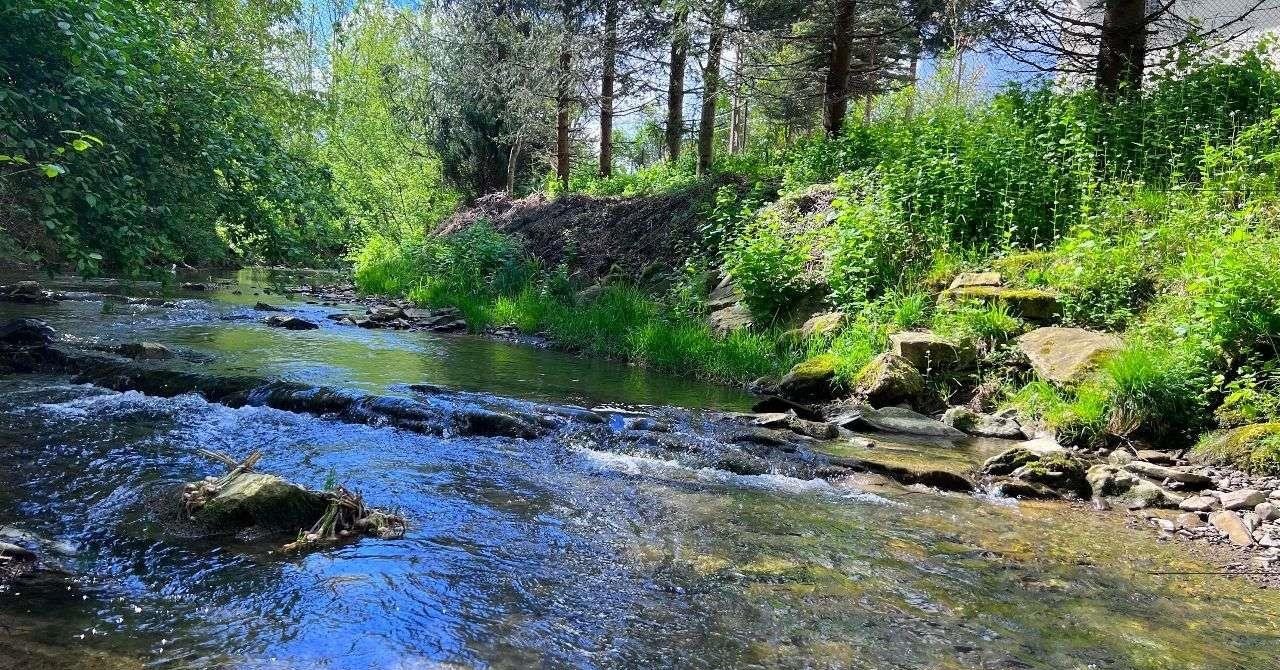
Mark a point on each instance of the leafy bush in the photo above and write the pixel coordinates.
(769, 267)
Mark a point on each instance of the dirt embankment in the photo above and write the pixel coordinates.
(639, 235)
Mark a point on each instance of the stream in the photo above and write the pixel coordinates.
(546, 552)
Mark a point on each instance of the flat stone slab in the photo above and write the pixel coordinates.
(1066, 355)
(977, 279)
(1231, 525)
(1161, 473)
(905, 421)
(1242, 499)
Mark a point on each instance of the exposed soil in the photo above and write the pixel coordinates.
(637, 236)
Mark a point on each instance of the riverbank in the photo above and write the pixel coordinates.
(1224, 514)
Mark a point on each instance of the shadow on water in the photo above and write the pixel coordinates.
(546, 552)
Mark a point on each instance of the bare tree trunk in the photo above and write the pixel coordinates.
(513, 159)
(607, 75)
(562, 105)
(710, 89)
(675, 82)
(835, 96)
(1122, 49)
(872, 75)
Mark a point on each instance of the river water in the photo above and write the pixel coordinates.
(539, 553)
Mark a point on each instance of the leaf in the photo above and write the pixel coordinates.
(95, 256)
(79, 144)
(52, 170)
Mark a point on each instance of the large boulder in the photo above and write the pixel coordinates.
(26, 292)
(26, 332)
(888, 380)
(1031, 304)
(814, 378)
(1037, 469)
(1230, 524)
(728, 319)
(927, 351)
(262, 501)
(1066, 355)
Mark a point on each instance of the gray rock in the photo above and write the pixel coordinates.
(1267, 511)
(1153, 456)
(1020, 454)
(1230, 524)
(982, 425)
(1120, 457)
(926, 351)
(1242, 499)
(902, 420)
(264, 307)
(26, 332)
(1066, 355)
(13, 552)
(1189, 520)
(1162, 473)
(888, 380)
(145, 351)
(810, 379)
(385, 313)
(1198, 503)
(731, 318)
(264, 501)
(977, 279)
(823, 324)
(1146, 494)
(290, 323)
(1110, 482)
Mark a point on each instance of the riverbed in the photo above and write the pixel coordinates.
(537, 552)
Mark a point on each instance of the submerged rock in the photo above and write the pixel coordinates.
(888, 380)
(264, 307)
(1066, 355)
(290, 323)
(144, 351)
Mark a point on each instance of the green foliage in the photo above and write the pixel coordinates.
(197, 161)
(1075, 417)
(984, 324)
(769, 266)
(1254, 448)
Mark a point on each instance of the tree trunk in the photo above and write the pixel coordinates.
(562, 106)
(606, 86)
(1122, 49)
(675, 82)
(835, 95)
(710, 89)
(915, 81)
(738, 114)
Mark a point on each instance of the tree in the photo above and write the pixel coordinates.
(675, 81)
(608, 74)
(710, 87)
(835, 98)
(1112, 41)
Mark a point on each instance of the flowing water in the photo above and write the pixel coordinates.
(545, 552)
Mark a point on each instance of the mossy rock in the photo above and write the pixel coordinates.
(814, 378)
(888, 380)
(1032, 304)
(1254, 448)
(1246, 407)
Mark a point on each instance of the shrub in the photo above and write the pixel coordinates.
(769, 267)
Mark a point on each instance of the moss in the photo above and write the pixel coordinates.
(1245, 407)
(1254, 448)
(818, 367)
(1029, 303)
